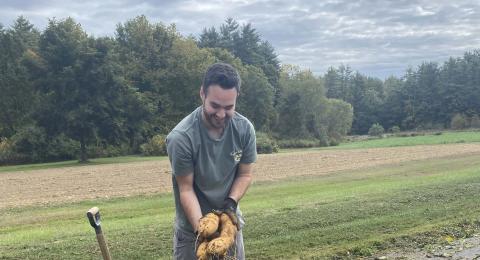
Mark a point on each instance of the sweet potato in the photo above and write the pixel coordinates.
(219, 246)
(208, 225)
(228, 229)
(202, 251)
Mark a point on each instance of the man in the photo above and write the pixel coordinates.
(211, 152)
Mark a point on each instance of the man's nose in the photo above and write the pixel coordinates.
(221, 113)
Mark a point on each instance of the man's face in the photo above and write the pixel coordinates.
(218, 105)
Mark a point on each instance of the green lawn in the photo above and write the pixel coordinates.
(443, 138)
(352, 213)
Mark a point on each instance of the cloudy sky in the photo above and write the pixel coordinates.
(377, 38)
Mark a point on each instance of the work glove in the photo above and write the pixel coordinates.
(230, 208)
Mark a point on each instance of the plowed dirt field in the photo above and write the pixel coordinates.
(70, 184)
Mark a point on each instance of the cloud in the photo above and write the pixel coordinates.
(375, 37)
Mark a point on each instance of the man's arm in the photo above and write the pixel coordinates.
(189, 199)
(242, 182)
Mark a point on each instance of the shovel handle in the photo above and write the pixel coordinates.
(93, 216)
(103, 246)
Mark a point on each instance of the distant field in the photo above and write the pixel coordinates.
(392, 141)
(427, 139)
(344, 213)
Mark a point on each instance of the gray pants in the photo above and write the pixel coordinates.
(184, 246)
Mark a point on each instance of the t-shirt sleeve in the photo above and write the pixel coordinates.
(249, 154)
(179, 153)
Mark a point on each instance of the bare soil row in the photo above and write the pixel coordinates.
(72, 184)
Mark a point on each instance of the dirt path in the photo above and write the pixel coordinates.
(71, 184)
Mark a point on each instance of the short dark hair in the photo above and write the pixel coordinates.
(222, 74)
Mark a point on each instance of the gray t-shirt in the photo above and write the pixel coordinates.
(214, 162)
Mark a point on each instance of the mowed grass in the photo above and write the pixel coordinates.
(135, 228)
(427, 139)
(344, 214)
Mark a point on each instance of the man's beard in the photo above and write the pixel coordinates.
(213, 122)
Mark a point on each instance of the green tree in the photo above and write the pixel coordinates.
(301, 104)
(145, 49)
(429, 100)
(186, 65)
(83, 86)
(305, 112)
(228, 35)
(18, 98)
(337, 120)
(209, 38)
(245, 43)
(365, 94)
(392, 111)
(256, 99)
(338, 83)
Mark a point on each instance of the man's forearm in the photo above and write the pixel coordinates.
(191, 207)
(240, 186)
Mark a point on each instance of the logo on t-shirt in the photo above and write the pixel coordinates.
(237, 155)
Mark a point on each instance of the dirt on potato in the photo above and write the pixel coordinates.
(71, 184)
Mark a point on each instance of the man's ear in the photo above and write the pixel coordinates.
(202, 94)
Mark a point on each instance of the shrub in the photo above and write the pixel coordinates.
(32, 144)
(334, 142)
(458, 122)
(395, 129)
(107, 150)
(62, 147)
(475, 121)
(376, 130)
(299, 143)
(7, 152)
(429, 126)
(266, 144)
(155, 146)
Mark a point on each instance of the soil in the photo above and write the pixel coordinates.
(72, 184)
(465, 248)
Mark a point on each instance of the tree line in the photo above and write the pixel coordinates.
(432, 96)
(67, 94)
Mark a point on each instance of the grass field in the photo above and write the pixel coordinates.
(427, 139)
(345, 214)
(354, 213)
